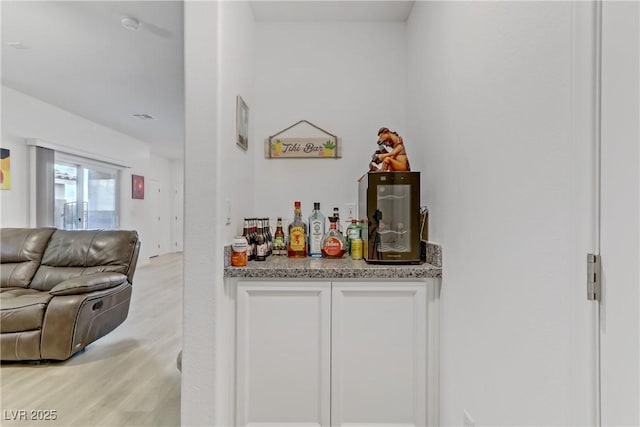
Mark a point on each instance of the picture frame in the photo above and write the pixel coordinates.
(5, 169)
(242, 123)
(137, 187)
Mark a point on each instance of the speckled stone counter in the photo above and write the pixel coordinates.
(317, 268)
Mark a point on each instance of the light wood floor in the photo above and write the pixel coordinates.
(127, 378)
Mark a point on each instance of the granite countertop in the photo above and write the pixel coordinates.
(276, 267)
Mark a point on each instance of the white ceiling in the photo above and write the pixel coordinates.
(77, 55)
(326, 10)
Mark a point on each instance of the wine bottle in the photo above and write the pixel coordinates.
(269, 236)
(246, 233)
(252, 240)
(261, 242)
(279, 246)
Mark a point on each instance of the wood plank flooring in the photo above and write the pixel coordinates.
(127, 378)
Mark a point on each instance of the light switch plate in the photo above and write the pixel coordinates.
(227, 211)
(349, 210)
(467, 420)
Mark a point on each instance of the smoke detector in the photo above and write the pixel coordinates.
(130, 23)
(16, 45)
(143, 116)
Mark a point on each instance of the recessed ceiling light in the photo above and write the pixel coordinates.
(143, 116)
(16, 45)
(130, 23)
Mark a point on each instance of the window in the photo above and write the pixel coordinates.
(85, 194)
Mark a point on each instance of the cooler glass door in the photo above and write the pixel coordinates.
(392, 219)
(393, 215)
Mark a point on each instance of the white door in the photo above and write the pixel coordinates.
(178, 218)
(156, 219)
(283, 353)
(379, 354)
(620, 213)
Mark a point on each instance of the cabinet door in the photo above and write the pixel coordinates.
(379, 354)
(283, 353)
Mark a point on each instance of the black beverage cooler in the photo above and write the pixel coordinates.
(389, 202)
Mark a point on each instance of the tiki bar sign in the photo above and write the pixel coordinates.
(326, 146)
(303, 147)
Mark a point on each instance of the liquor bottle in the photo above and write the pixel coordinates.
(261, 242)
(334, 245)
(317, 230)
(279, 246)
(297, 247)
(252, 240)
(267, 233)
(270, 234)
(246, 233)
(336, 214)
(353, 233)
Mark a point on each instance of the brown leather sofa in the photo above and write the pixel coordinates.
(62, 290)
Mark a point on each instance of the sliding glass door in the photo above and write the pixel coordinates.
(85, 195)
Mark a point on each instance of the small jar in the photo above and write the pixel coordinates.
(239, 252)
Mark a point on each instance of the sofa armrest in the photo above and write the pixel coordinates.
(88, 283)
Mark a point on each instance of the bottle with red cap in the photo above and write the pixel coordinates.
(334, 245)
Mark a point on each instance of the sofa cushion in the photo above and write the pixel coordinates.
(21, 250)
(88, 283)
(22, 309)
(71, 254)
(20, 345)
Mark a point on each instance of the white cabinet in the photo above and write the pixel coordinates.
(283, 353)
(379, 354)
(336, 353)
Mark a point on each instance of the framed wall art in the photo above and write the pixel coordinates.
(5, 169)
(137, 187)
(242, 123)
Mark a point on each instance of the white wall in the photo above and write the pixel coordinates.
(219, 64)
(26, 117)
(237, 60)
(202, 233)
(348, 78)
(492, 97)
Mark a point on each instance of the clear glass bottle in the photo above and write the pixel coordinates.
(317, 230)
(353, 233)
(279, 245)
(297, 246)
(334, 245)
